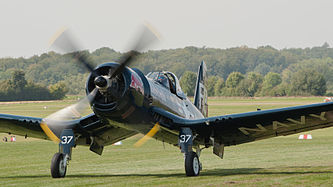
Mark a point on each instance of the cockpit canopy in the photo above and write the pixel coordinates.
(169, 81)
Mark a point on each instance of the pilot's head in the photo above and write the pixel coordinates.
(162, 79)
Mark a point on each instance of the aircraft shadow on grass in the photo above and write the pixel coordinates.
(213, 172)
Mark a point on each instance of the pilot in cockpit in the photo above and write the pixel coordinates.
(162, 79)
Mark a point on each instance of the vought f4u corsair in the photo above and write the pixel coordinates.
(125, 102)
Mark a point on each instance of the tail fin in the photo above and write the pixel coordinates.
(200, 96)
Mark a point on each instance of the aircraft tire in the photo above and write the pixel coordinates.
(192, 164)
(57, 167)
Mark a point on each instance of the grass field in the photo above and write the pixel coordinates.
(281, 161)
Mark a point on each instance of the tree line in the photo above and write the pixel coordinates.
(252, 65)
(19, 89)
(305, 82)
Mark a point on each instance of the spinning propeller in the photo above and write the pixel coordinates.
(54, 124)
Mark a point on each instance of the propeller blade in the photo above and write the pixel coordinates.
(63, 119)
(150, 134)
(125, 60)
(73, 111)
(64, 41)
(147, 36)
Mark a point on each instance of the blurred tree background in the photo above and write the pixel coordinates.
(239, 71)
(19, 89)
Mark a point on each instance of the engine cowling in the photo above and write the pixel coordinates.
(115, 96)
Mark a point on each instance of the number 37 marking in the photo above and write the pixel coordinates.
(66, 139)
(184, 138)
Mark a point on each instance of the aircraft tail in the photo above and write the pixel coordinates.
(200, 95)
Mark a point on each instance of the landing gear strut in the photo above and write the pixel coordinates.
(60, 160)
(192, 163)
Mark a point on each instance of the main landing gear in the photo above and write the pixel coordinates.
(192, 163)
(61, 159)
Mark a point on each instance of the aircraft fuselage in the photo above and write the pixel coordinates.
(132, 110)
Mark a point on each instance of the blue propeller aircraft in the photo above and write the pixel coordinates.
(126, 102)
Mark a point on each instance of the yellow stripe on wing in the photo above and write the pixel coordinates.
(150, 134)
(49, 133)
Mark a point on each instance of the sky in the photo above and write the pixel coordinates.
(27, 26)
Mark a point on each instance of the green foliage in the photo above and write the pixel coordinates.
(76, 84)
(58, 90)
(218, 86)
(308, 82)
(36, 92)
(271, 80)
(210, 85)
(187, 82)
(51, 68)
(234, 79)
(254, 83)
(19, 89)
(232, 83)
(214, 86)
(18, 81)
(250, 85)
(322, 66)
(242, 88)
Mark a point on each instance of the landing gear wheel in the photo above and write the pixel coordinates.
(58, 166)
(192, 164)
